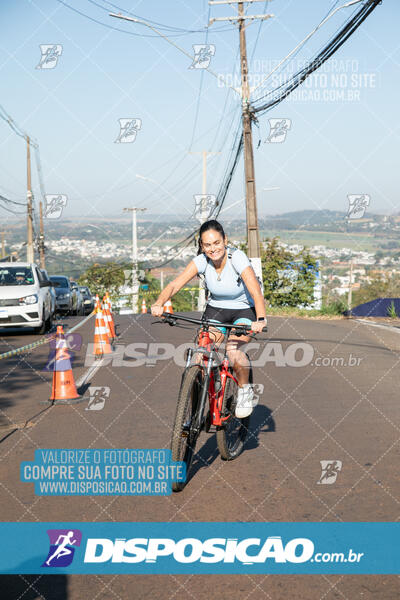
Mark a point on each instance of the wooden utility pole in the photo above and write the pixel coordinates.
(253, 238)
(135, 278)
(29, 247)
(41, 238)
(3, 248)
(201, 302)
(350, 294)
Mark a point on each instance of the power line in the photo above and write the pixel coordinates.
(12, 201)
(82, 14)
(160, 25)
(11, 211)
(349, 28)
(200, 91)
(339, 39)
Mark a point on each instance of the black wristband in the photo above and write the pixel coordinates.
(261, 319)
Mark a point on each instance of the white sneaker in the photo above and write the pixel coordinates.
(245, 401)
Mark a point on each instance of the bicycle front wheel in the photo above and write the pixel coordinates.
(231, 436)
(183, 437)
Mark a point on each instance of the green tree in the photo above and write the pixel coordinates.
(182, 301)
(101, 278)
(377, 287)
(149, 289)
(288, 278)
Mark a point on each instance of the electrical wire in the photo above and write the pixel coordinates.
(11, 211)
(297, 79)
(141, 35)
(350, 27)
(258, 33)
(196, 115)
(12, 201)
(160, 25)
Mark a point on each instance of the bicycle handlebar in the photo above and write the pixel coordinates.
(240, 326)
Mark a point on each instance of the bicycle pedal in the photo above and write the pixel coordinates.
(185, 432)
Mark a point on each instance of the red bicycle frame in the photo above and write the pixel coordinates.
(215, 398)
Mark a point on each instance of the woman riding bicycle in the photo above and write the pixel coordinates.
(235, 297)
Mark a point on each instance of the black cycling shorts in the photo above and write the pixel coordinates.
(230, 315)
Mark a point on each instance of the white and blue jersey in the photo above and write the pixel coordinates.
(227, 289)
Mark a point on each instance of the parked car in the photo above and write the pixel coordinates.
(52, 293)
(79, 308)
(65, 296)
(88, 300)
(25, 297)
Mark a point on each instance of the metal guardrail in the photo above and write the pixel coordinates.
(44, 340)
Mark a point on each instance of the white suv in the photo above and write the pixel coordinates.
(25, 299)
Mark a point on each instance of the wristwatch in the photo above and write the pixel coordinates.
(261, 318)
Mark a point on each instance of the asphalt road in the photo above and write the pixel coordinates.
(330, 394)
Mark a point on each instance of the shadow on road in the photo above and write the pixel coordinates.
(261, 422)
(335, 342)
(205, 456)
(32, 587)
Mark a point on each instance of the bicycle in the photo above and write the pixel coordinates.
(212, 378)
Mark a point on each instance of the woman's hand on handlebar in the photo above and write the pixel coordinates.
(257, 326)
(157, 310)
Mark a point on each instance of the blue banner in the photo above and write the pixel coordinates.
(201, 548)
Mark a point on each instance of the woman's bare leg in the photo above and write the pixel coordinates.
(238, 358)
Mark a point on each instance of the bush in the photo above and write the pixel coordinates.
(392, 311)
(288, 278)
(335, 307)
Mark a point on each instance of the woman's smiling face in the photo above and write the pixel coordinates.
(213, 244)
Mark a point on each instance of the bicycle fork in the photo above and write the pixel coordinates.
(204, 396)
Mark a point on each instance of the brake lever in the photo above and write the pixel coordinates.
(170, 320)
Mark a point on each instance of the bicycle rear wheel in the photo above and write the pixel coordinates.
(231, 436)
(184, 439)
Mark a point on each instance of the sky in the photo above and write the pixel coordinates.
(342, 127)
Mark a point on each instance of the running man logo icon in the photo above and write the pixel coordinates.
(97, 397)
(202, 56)
(128, 130)
(330, 470)
(204, 205)
(61, 551)
(73, 342)
(50, 55)
(287, 279)
(55, 203)
(358, 204)
(278, 129)
(141, 275)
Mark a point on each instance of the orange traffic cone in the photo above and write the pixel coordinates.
(111, 317)
(101, 341)
(144, 309)
(168, 307)
(108, 319)
(97, 307)
(109, 302)
(64, 387)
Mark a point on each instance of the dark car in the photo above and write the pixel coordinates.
(88, 300)
(52, 293)
(78, 310)
(65, 296)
